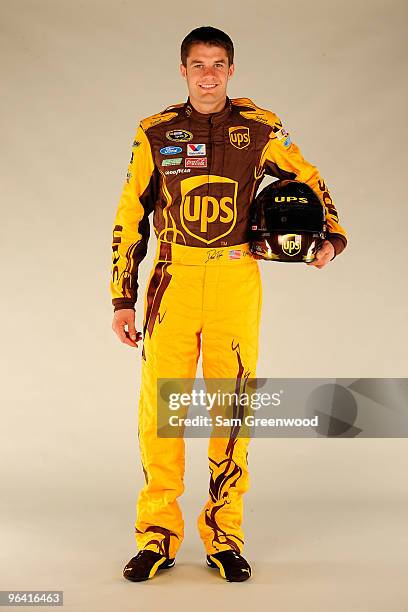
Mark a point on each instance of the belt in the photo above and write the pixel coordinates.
(198, 256)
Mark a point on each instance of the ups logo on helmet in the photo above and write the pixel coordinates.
(201, 213)
(291, 244)
(239, 136)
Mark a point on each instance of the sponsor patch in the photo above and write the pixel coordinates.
(200, 162)
(170, 150)
(173, 161)
(136, 143)
(178, 171)
(179, 135)
(239, 136)
(283, 135)
(195, 149)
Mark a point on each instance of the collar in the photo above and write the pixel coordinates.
(213, 118)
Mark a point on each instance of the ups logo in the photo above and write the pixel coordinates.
(199, 211)
(291, 199)
(239, 137)
(291, 244)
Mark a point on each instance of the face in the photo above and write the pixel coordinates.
(207, 73)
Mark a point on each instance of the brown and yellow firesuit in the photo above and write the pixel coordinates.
(198, 174)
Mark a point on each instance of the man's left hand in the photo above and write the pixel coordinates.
(323, 255)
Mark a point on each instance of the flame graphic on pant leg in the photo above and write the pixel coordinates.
(163, 545)
(225, 474)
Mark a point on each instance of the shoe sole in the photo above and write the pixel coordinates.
(168, 566)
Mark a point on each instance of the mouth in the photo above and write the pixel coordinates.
(207, 87)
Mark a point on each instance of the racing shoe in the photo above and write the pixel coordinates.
(145, 565)
(232, 566)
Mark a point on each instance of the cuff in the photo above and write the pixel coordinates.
(122, 303)
(339, 243)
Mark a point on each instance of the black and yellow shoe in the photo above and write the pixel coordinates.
(145, 565)
(232, 566)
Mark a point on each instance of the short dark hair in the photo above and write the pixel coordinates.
(209, 36)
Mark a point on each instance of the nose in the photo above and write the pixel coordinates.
(209, 71)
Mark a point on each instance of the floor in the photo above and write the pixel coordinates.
(310, 548)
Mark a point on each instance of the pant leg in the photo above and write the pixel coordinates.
(232, 309)
(171, 347)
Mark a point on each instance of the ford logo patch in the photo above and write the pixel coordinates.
(170, 150)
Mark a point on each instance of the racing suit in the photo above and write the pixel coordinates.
(198, 173)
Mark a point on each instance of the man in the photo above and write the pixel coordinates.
(197, 166)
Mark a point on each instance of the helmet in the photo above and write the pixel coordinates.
(287, 222)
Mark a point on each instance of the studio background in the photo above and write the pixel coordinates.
(321, 514)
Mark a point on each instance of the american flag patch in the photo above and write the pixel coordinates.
(235, 254)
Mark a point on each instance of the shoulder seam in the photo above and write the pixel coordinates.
(154, 120)
(169, 108)
(163, 116)
(256, 113)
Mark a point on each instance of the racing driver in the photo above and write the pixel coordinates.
(197, 166)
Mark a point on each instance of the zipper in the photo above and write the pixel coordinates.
(211, 165)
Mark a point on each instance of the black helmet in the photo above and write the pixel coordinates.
(287, 222)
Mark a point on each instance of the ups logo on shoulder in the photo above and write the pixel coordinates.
(239, 137)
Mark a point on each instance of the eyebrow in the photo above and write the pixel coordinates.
(218, 61)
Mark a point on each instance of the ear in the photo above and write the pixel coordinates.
(231, 70)
(183, 71)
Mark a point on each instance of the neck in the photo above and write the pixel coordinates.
(208, 107)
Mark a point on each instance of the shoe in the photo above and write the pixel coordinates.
(232, 566)
(145, 565)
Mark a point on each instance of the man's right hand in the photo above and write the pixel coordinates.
(126, 318)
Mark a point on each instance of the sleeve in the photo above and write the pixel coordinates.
(284, 160)
(131, 226)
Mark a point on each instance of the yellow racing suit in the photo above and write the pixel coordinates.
(197, 174)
